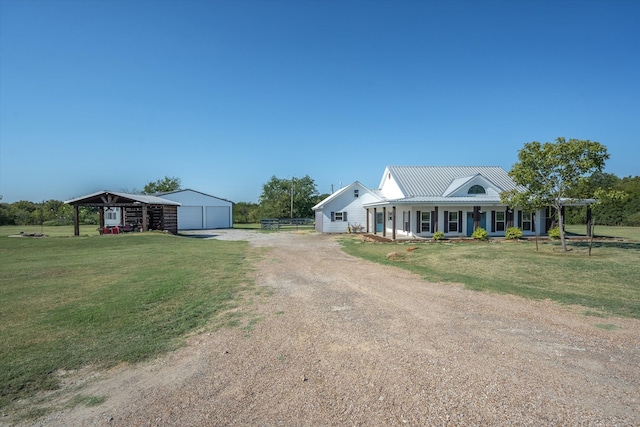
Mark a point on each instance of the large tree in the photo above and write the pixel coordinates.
(288, 198)
(163, 185)
(548, 173)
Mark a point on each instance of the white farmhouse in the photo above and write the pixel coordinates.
(417, 201)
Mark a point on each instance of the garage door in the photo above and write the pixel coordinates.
(190, 217)
(217, 217)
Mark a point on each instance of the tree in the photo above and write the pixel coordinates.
(163, 185)
(246, 212)
(548, 173)
(604, 198)
(288, 198)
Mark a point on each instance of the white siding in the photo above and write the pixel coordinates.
(346, 202)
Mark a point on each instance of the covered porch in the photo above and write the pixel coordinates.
(398, 221)
(136, 211)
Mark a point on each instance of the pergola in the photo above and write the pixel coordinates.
(138, 210)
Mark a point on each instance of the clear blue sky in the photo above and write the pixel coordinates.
(112, 94)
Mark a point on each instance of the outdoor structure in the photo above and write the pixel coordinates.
(200, 211)
(417, 201)
(135, 211)
(342, 211)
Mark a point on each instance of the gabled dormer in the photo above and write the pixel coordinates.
(472, 186)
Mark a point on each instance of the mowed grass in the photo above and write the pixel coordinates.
(630, 233)
(607, 282)
(68, 303)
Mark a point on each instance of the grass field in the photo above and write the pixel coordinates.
(607, 283)
(66, 303)
(631, 233)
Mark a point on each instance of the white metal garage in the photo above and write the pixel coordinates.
(199, 211)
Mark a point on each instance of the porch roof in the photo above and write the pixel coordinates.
(116, 198)
(439, 200)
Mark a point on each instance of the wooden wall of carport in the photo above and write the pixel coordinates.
(168, 214)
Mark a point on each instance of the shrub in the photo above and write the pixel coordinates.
(554, 233)
(480, 234)
(438, 235)
(513, 233)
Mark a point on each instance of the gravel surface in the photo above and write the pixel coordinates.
(343, 341)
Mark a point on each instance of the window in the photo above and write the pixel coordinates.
(110, 215)
(338, 216)
(425, 222)
(476, 189)
(453, 221)
(356, 193)
(500, 220)
(526, 221)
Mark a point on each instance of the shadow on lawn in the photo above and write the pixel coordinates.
(633, 246)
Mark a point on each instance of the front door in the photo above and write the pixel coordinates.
(483, 222)
(379, 221)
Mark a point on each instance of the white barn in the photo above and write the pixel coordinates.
(200, 211)
(343, 209)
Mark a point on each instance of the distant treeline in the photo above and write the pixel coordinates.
(55, 212)
(625, 213)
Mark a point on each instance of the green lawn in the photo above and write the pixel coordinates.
(631, 233)
(607, 283)
(66, 303)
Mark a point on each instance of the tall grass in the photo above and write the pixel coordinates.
(66, 303)
(607, 282)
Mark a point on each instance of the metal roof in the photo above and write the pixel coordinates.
(329, 198)
(436, 180)
(142, 198)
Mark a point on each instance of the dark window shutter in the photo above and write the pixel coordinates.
(344, 216)
(520, 219)
(493, 221)
(459, 221)
(418, 222)
(533, 221)
(333, 216)
(446, 221)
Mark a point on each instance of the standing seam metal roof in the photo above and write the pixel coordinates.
(435, 180)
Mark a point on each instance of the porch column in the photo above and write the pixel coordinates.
(476, 217)
(384, 221)
(145, 222)
(375, 220)
(393, 223)
(589, 221)
(367, 220)
(435, 219)
(101, 215)
(76, 220)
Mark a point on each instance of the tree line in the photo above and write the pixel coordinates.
(294, 198)
(280, 198)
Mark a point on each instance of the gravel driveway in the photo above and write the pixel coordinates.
(343, 341)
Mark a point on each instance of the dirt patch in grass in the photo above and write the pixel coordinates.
(342, 341)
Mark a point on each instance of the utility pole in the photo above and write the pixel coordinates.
(292, 178)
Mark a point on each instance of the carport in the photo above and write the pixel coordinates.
(141, 212)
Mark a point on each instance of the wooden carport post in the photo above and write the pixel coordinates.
(145, 223)
(76, 220)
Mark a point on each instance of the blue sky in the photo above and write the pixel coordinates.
(113, 94)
